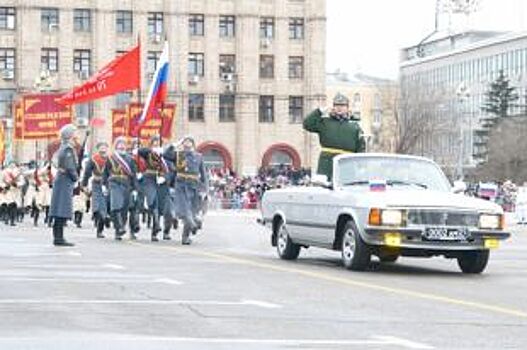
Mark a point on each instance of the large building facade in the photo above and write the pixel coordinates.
(243, 73)
(443, 82)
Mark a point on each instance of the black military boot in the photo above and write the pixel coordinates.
(156, 228)
(78, 219)
(118, 225)
(36, 215)
(99, 223)
(13, 214)
(58, 234)
(185, 238)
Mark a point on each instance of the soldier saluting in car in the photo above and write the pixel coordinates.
(338, 133)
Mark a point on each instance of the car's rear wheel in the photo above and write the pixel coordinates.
(356, 254)
(287, 250)
(473, 261)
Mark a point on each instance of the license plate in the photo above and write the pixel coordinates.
(444, 234)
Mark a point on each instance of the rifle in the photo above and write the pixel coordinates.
(81, 154)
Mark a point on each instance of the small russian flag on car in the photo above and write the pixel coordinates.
(377, 185)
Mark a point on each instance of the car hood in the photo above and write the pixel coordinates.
(423, 198)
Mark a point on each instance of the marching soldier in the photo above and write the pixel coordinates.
(120, 178)
(13, 192)
(137, 202)
(62, 195)
(191, 178)
(153, 177)
(99, 200)
(339, 133)
(45, 175)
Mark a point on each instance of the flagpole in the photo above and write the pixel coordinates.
(139, 99)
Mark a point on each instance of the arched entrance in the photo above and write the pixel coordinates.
(215, 155)
(281, 154)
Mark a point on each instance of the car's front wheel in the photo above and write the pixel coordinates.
(473, 261)
(287, 250)
(356, 254)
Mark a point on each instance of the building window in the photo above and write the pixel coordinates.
(296, 67)
(356, 106)
(84, 111)
(122, 100)
(6, 102)
(124, 22)
(7, 63)
(49, 60)
(155, 24)
(227, 65)
(196, 25)
(266, 110)
(49, 19)
(227, 108)
(82, 20)
(82, 61)
(296, 28)
(280, 158)
(7, 18)
(196, 64)
(267, 28)
(227, 26)
(267, 66)
(296, 109)
(196, 103)
(152, 58)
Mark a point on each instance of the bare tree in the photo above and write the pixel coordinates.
(419, 118)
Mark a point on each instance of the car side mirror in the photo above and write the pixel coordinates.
(321, 181)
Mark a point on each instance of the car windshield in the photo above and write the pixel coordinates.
(412, 172)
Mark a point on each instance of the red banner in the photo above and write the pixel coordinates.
(40, 117)
(19, 122)
(121, 74)
(124, 123)
(119, 123)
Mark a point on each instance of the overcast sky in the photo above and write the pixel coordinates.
(366, 35)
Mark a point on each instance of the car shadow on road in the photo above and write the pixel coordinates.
(387, 268)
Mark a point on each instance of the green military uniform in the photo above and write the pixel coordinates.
(337, 136)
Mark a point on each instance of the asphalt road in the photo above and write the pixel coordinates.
(230, 291)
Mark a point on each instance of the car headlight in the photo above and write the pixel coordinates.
(491, 221)
(386, 217)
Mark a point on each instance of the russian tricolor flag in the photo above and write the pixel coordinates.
(158, 88)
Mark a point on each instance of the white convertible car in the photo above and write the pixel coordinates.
(385, 205)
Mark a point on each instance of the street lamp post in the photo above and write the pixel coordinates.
(43, 83)
(463, 94)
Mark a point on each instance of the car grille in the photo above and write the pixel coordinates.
(442, 218)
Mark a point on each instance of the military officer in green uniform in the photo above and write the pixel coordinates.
(339, 133)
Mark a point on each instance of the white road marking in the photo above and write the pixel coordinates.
(34, 255)
(91, 280)
(378, 341)
(113, 266)
(168, 281)
(263, 304)
(255, 303)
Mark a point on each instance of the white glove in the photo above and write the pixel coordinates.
(172, 191)
(105, 190)
(139, 176)
(324, 110)
(161, 180)
(134, 195)
(135, 151)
